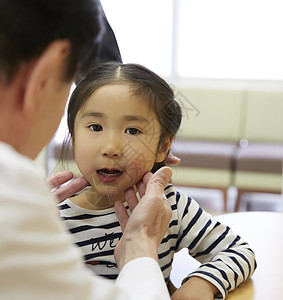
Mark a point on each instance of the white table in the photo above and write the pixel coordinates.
(264, 232)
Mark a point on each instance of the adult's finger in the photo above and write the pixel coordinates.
(141, 185)
(121, 214)
(172, 159)
(131, 198)
(157, 183)
(131, 195)
(71, 188)
(152, 184)
(59, 178)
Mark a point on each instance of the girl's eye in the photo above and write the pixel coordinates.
(95, 127)
(133, 131)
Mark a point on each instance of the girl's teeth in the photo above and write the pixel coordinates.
(110, 174)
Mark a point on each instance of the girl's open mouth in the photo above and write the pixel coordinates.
(108, 175)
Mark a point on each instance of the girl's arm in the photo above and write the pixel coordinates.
(226, 258)
(195, 289)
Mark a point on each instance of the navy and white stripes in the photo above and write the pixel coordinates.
(226, 259)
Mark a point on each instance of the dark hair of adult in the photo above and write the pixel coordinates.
(155, 90)
(28, 26)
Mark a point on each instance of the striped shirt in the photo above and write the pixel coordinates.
(226, 258)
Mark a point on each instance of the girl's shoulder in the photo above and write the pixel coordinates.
(176, 196)
(66, 207)
(65, 204)
(182, 204)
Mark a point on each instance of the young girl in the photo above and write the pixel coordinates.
(122, 119)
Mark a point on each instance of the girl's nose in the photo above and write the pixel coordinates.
(111, 154)
(112, 147)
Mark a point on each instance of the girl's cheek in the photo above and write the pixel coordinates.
(138, 167)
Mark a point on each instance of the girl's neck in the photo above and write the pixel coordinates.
(90, 199)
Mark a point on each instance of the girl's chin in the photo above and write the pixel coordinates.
(109, 192)
(101, 199)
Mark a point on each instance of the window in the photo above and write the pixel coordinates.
(143, 30)
(229, 39)
(237, 39)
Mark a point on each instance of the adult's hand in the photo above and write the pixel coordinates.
(55, 181)
(172, 159)
(144, 229)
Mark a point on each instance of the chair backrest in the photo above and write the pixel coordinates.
(210, 113)
(264, 116)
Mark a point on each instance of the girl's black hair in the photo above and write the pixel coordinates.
(144, 82)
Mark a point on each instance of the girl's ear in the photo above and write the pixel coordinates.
(163, 149)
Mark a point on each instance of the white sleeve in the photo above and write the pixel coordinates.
(38, 259)
(140, 276)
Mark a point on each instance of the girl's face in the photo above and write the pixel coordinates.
(116, 139)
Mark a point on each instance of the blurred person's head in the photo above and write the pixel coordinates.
(28, 27)
(43, 44)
